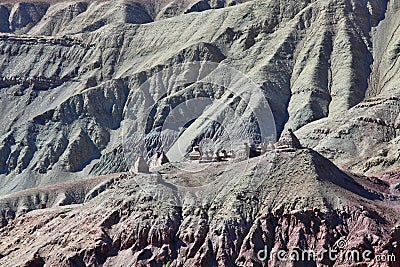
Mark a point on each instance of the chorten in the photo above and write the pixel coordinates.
(289, 140)
(141, 166)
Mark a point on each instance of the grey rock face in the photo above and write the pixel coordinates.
(81, 64)
(81, 151)
(4, 22)
(59, 16)
(365, 137)
(23, 16)
(72, 74)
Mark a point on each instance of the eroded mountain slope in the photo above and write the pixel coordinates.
(302, 201)
(312, 59)
(366, 138)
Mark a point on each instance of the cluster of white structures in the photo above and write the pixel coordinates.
(157, 160)
(210, 156)
(287, 142)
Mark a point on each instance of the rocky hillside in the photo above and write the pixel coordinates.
(302, 200)
(86, 86)
(58, 17)
(312, 59)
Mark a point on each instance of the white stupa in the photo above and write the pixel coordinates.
(141, 166)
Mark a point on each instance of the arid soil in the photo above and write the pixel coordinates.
(74, 75)
(298, 204)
